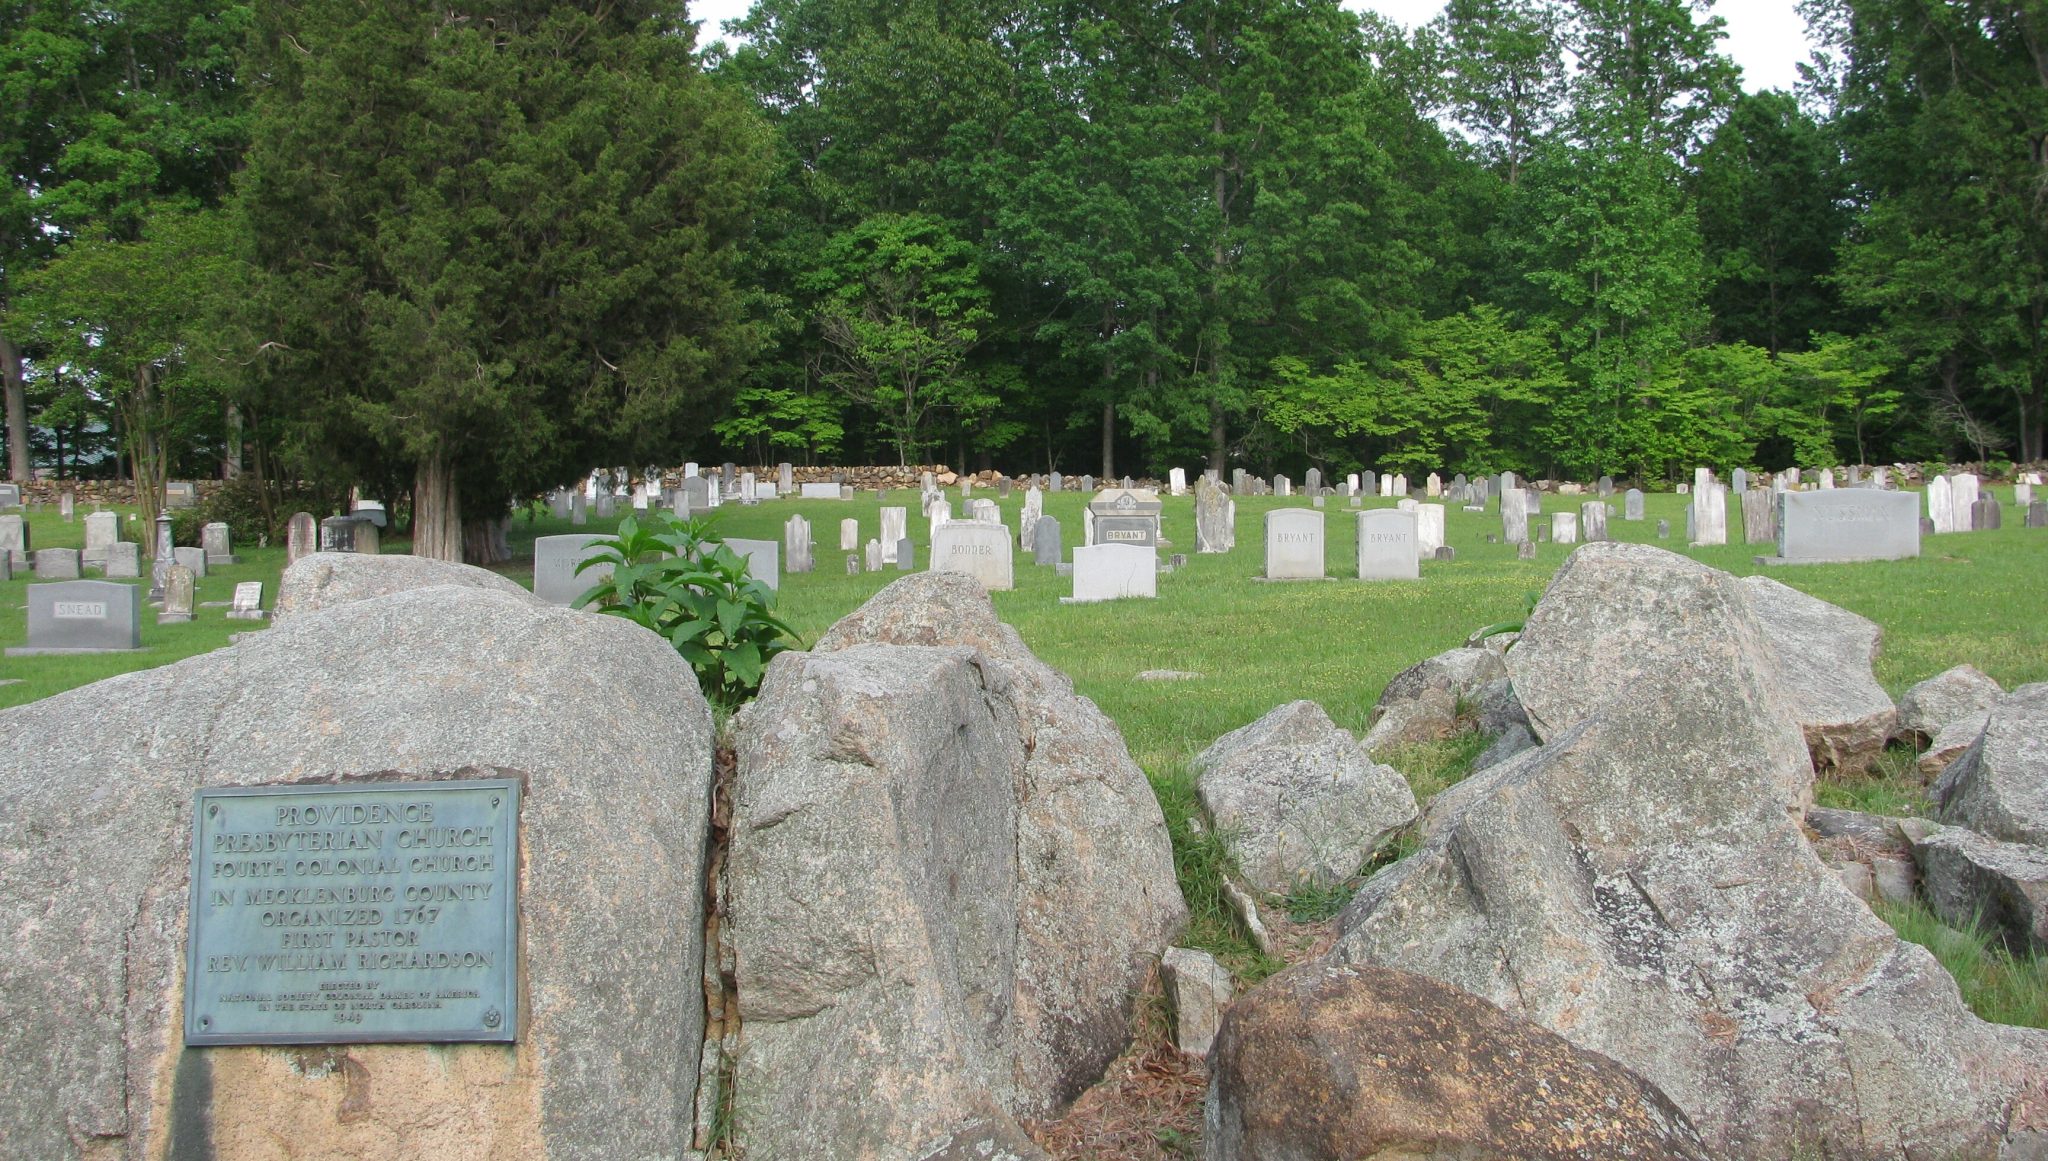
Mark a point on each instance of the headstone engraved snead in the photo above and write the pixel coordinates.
(1294, 544)
(408, 929)
(82, 617)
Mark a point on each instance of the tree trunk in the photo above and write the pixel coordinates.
(1218, 434)
(483, 541)
(17, 412)
(436, 511)
(1108, 440)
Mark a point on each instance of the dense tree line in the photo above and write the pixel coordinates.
(463, 253)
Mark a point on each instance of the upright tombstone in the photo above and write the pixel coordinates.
(1294, 544)
(796, 544)
(746, 489)
(1738, 482)
(67, 505)
(1632, 504)
(194, 559)
(1351, 484)
(1963, 498)
(985, 511)
(1429, 528)
(579, 510)
(179, 592)
(1663, 529)
(1312, 482)
(1985, 514)
(1941, 504)
(1387, 545)
(822, 490)
(763, 557)
(2023, 493)
(1368, 484)
(124, 560)
(849, 535)
(102, 531)
(82, 617)
(14, 540)
(906, 555)
(785, 481)
(555, 579)
(974, 549)
(1177, 481)
(1760, 516)
(1564, 527)
(1850, 524)
(1058, 483)
(219, 546)
(10, 495)
(1400, 489)
(247, 604)
(941, 513)
(1514, 516)
(895, 526)
(57, 564)
(1605, 487)
(606, 505)
(180, 494)
(2037, 514)
(1282, 486)
(1433, 486)
(1111, 572)
(1827, 479)
(1045, 541)
(1027, 520)
(1593, 521)
(1709, 514)
(1126, 516)
(1386, 486)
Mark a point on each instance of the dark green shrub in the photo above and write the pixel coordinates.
(678, 578)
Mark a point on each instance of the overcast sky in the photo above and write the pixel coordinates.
(1766, 37)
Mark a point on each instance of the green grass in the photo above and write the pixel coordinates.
(1998, 986)
(1969, 598)
(1890, 788)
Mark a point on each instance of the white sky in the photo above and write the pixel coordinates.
(1766, 37)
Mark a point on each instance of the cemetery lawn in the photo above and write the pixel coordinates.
(1974, 597)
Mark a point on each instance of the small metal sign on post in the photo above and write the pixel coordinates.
(368, 912)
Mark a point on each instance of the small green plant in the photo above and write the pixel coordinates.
(1998, 985)
(678, 578)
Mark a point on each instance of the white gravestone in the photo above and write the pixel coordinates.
(895, 526)
(974, 549)
(1963, 498)
(796, 544)
(1110, 572)
(849, 535)
(1429, 528)
(764, 559)
(555, 579)
(1941, 504)
(1176, 483)
(1564, 527)
(1387, 545)
(940, 515)
(1294, 544)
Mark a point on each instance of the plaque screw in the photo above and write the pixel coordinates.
(206, 1021)
(491, 1018)
(213, 811)
(494, 803)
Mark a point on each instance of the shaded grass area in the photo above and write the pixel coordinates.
(1969, 598)
(1999, 986)
(1892, 787)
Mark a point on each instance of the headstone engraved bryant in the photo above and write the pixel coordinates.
(1846, 525)
(1387, 548)
(382, 912)
(1294, 544)
(82, 617)
(1126, 516)
(979, 550)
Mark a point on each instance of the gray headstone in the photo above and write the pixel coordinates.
(1739, 482)
(1003, 488)
(852, 564)
(180, 494)
(124, 560)
(248, 602)
(1087, 483)
(82, 617)
(1045, 541)
(302, 537)
(215, 540)
(1058, 484)
(57, 564)
(192, 558)
(1514, 515)
(1387, 545)
(1985, 514)
(10, 495)
(102, 529)
(555, 579)
(1663, 529)
(1847, 524)
(785, 480)
(1110, 572)
(1312, 482)
(1447, 553)
(1526, 550)
(1294, 544)
(179, 592)
(14, 539)
(796, 544)
(1593, 520)
(975, 549)
(2037, 514)
(338, 534)
(1605, 487)
(559, 504)
(764, 559)
(1632, 504)
(906, 555)
(1759, 516)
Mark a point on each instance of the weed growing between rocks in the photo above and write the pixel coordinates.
(1202, 862)
(1148, 1105)
(1997, 985)
(1893, 787)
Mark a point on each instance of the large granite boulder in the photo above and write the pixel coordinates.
(1638, 886)
(1821, 657)
(1999, 786)
(1933, 705)
(946, 883)
(1954, 740)
(600, 719)
(1297, 799)
(1335, 1062)
(322, 580)
(1969, 879)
